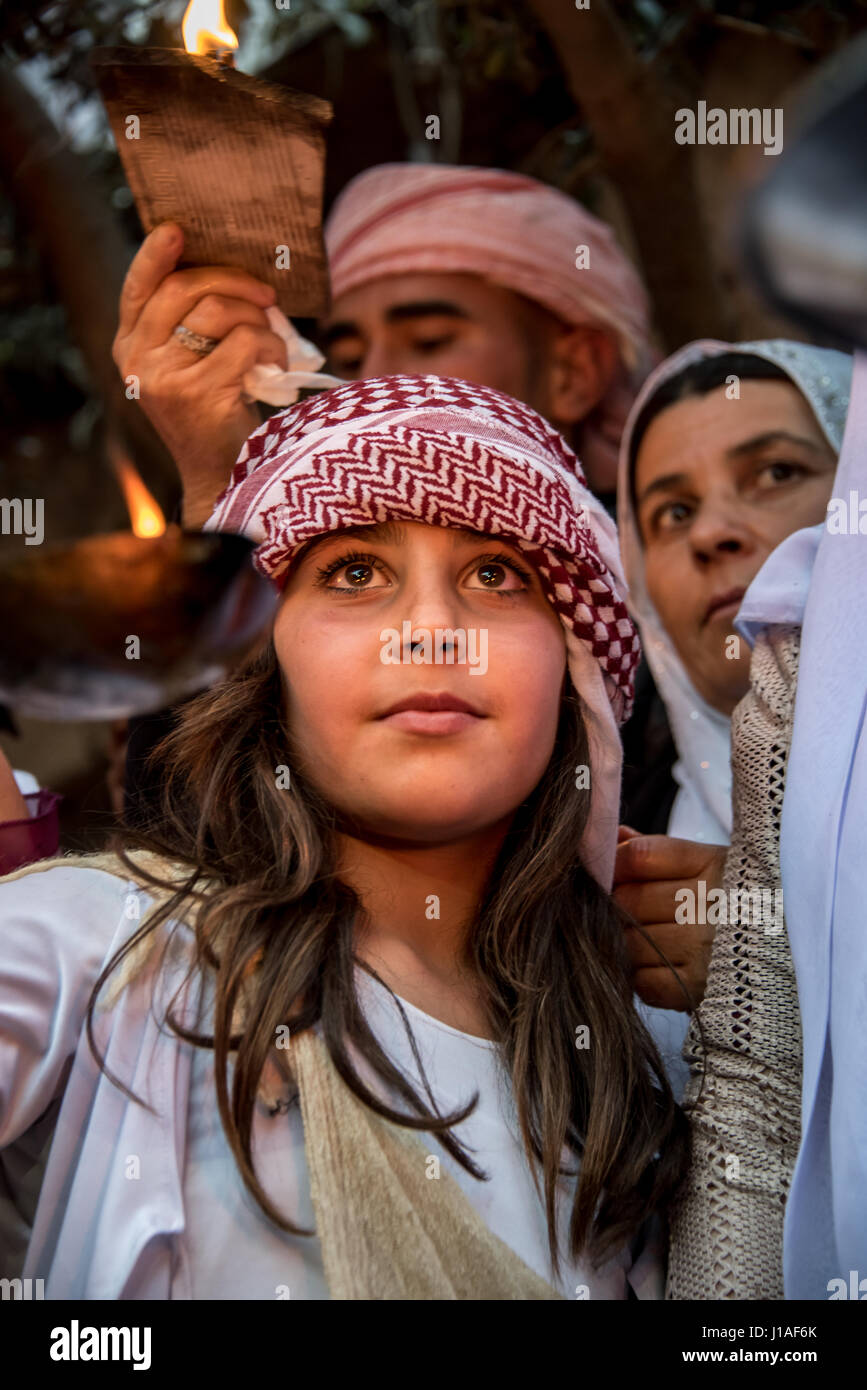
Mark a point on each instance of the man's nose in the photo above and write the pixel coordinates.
(381, 360)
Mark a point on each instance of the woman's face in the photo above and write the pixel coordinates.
(358, 607)
(718, 484)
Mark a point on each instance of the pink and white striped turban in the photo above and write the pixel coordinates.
(447, 453)
(398, 219)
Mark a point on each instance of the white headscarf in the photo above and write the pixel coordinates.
(702, 807)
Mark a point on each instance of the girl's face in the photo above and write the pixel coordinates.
(378, 617)
(719, 483)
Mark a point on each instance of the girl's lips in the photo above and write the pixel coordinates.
(431, 721)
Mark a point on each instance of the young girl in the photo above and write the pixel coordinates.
(360, 1001)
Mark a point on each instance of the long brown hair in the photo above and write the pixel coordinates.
(275, 927)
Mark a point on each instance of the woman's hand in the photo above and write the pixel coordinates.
(648, 872)
(194, 401)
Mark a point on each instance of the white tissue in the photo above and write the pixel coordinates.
(25, 782)
(269, 383)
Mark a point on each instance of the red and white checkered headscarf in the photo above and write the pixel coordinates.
(447, 453)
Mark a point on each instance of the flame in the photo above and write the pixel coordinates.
(205, 28)
(145, 515)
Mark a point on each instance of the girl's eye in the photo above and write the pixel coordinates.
(500, 574)
(357, 572)
(350, 573)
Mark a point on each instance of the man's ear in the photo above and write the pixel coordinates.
(584, 363)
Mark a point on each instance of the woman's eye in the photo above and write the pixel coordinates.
(780, 471)
(671, 515)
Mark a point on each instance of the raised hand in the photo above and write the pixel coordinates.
(194, 398)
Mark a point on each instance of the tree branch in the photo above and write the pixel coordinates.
(631, 115)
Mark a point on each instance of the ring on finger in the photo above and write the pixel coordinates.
(196, 342)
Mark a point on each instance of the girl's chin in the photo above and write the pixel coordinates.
(401, 830)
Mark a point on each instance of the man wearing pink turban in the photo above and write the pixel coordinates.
(465, 272)
(496, 278)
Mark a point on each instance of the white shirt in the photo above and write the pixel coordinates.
(236, 1253)
(177, 1222)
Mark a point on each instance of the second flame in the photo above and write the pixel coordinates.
(144, 512)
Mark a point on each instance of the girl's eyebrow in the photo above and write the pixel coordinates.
(387, 531)
(392, 533)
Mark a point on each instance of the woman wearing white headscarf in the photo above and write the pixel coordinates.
(712, 462)
(728, 449)
(701, 729)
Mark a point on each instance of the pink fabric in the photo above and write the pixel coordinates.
(397, 219)
(448, 453)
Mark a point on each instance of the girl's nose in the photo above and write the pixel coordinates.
(431, 597)
(441, 608)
